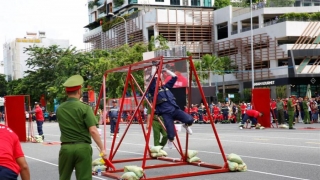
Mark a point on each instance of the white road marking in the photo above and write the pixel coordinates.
(277, 175)
(53, 164)
(252, 157)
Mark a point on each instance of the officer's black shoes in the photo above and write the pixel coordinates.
(292, 128)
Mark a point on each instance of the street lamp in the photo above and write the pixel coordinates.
(252, 60)
(125, 25)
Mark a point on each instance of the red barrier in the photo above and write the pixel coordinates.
(261, 103)
(15, 115)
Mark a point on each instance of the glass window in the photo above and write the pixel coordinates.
(207, 3)
(159, 0)
(133, 1)
(297, 4)
(175, 2)
(195, 2)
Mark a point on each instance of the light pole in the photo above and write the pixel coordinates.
(125, 25)
(252, 60)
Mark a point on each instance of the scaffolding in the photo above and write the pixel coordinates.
(131, 82)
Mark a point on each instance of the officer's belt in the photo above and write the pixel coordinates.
(64, 143)
(159, 101)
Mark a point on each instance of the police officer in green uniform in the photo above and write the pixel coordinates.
(290, 107)
(158, 130)
(77, 125)
(306, 118)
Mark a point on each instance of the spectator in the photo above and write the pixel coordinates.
(12, 160)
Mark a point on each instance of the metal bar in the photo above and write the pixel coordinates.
(136, 102)
(189, 174)
(316, 33)
(99, 99)
(152, 109)
(112, 154)
(104, 77)
(146, 99)
(305, 35)
(210, 117)
(301, 36)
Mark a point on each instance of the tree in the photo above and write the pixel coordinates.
(51, 66)
(225, 66)
(221, 3)
(3, 85)
(218, 65)
(162, 43)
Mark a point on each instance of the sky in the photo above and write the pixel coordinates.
(60, 19)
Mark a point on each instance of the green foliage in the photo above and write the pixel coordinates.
(91, 4)
(108, 24)
(221, 3)
(301, 16)
(3, 86)
(280, 3)
(118, 3)
(53, 65)
(281, 91)
(247, 95)
(162, 43)
(213, 64)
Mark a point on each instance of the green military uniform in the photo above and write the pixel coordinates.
(290, 113)
(306, 118)
(75, 118)
(157, 130)
(280, 112)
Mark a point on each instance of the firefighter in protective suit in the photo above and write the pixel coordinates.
(167, 107)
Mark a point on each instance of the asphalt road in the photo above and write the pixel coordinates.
(277, 154)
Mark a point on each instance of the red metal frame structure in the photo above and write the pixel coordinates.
(111, 171)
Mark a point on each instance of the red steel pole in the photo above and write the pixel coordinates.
(207, 109)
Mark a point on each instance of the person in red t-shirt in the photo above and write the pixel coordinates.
(252, 115)
(243, 108)
(273, 109)
(12, 160)
(39, 119)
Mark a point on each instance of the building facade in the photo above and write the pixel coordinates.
(223, 32)
(279, 59)
(183, 23)
(14, 58)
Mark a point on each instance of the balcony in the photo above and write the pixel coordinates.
(288, 19)
(102, 15)
(92, 32)
(249, 28)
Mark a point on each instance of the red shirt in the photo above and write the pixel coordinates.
(10, 149)
(39, 114)
(253, 113)
(216, 110)
(243, 108)
(194, 109)
(273, 105)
